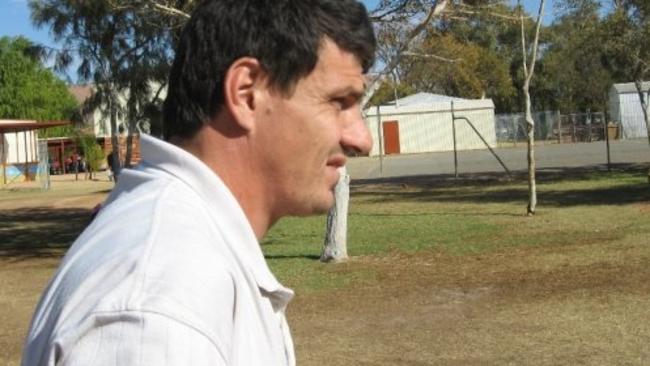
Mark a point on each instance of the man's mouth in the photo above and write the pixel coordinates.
(336, 161)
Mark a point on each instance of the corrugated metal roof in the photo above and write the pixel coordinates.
(423, 98)
(629, 87)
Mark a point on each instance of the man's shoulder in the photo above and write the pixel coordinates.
(151, 250)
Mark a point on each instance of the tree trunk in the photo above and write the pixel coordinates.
(530, 129)
(335, 248)
(129, 137)
(645, 106)
(529, 71)
(116, 165)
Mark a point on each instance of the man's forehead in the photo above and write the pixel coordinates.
(336, 61)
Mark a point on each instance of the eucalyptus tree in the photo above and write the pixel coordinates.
(529, 60)
(123, 51)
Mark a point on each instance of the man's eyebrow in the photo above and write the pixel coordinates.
(351, 91)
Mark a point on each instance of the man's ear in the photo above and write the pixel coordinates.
(242, 84)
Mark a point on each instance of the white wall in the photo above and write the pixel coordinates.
(102, 121)
(428, 128)
(625, 108)
(632, 116)
(12, 147)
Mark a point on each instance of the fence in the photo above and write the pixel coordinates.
(550, 126)
(553, 126)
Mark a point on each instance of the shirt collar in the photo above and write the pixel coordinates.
(205, 182)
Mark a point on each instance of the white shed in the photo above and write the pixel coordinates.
(625, 108)
(423, 123)
(19, 151)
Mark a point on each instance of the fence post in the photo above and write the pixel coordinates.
(515, 121)
(573, 128)
(559, 127)
(453, 130)
(609, 159)
(589, 124)
(381, 143)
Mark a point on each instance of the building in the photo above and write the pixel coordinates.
(625, 108)
(99, 122)
(423, 123)
(19, 149)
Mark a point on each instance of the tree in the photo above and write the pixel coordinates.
(470, 72)
(28, 90)
(574, 77)
(124, 51)
(629, 49)
(491, 33)
(390, 90)
(529, 71)
(91, 150)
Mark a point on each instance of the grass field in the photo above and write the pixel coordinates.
(442, 272)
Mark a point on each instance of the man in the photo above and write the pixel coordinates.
(263, 105)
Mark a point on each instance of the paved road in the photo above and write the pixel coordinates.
(482, 161)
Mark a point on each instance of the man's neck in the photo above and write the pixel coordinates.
(230, 158)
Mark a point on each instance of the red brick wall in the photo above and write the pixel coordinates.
(135, 152)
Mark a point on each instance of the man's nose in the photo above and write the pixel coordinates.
(356, 138)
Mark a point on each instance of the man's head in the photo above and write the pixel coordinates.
(267, 93)
(285, 36)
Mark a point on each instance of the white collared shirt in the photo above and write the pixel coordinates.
(169, 273)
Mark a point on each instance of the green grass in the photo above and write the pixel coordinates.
(464, 218)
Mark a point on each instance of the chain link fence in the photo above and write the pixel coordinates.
(562, 144)
(552, 126)
(43, 170)
(511, 128)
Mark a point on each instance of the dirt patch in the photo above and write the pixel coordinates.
(644, 208)
(428, 308)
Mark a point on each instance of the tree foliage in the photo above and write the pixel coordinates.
(573, 73)
(472, 71)
(628, 43)
(92, 152)
(124, 50)
(28, 90)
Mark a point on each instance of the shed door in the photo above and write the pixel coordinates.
(391, 137)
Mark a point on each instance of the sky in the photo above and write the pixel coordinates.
(15, 21)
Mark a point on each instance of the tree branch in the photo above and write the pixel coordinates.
(395, 9)
(170, 10)
(436, 9)
(426, 55)
(524, 53)
(490, 13)
(533, 59)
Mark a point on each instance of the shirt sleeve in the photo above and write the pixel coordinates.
(138, 338)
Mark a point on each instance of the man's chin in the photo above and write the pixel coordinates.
(317, 207)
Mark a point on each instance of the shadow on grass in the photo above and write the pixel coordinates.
(40, 231)
(471, 188)
(297, 256)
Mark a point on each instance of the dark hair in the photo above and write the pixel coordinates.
(284, 35)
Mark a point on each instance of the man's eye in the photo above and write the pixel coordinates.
(341, 103)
